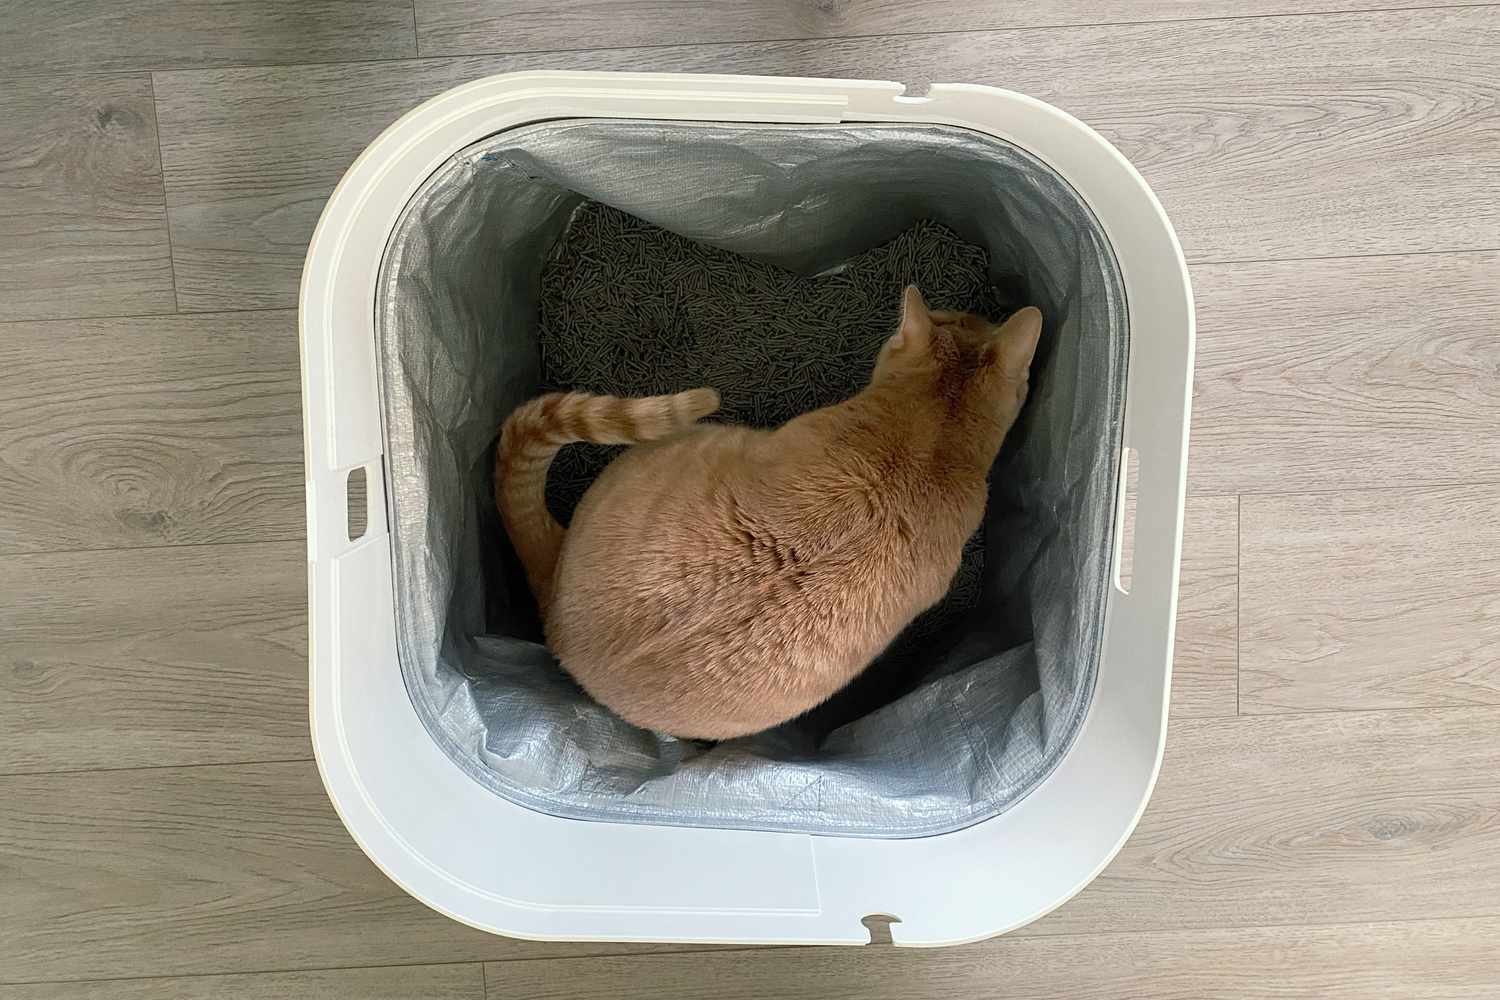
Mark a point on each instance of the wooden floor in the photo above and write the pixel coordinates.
(1328, 818)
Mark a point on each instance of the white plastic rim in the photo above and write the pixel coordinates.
(498, 866)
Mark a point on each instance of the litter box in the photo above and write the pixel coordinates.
(467, 766)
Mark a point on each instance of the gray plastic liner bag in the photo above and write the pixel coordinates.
(638, 257)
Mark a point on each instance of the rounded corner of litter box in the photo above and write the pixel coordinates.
(984, 922)
(370, 828)
(1020, 866)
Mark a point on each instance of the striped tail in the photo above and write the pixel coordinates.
(534, 434)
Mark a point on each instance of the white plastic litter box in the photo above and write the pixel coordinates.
(493, 862)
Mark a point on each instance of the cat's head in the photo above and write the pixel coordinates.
(962, 360)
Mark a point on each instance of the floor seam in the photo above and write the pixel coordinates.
(1421, 484)
(252, 972)
(491, 53)
(166, 214)
(306, 759)
(1437, 252)
(267, 540)
(710, 950)
(1239, 592)
(189, 314)
(741, 42)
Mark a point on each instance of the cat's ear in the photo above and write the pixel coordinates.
(1015, 342)
(916, 322)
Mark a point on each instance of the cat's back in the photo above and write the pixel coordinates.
(692, 589)
(747, 536)
(650, 531)
(662, 488)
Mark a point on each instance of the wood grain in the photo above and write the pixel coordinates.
(168, 430)
(98, 35)
(462, 27)
(1335, 374)
(1367, 600)
(82, 228)
(1345, 411)
(403, 982)
(1205, 651)
(1259, 144)
(1308, 819)
(201, 870)
(255, 154)
(1421, 960)
(146, 657)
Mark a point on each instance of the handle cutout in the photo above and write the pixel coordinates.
(1130, 477)
(879, 926)
(357, 504)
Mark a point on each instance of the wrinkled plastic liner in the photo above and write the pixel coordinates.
(940, 733)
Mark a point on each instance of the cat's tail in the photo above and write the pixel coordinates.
(534, 434)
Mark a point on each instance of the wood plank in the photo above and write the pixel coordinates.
(463, 27)
(1308, 819)
(1337, 374)
(1421, 960)
(254, 155)
(160, 431)
(101, 35)
(82, 226)
(202, 870)
(402, 982)
(1259, 144)
(1262, 146)
(146, 657)
(1367, 600)
(1205, 652)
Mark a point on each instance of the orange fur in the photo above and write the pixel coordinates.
(719, 580)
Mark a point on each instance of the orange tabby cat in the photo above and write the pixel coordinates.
(720, 580)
